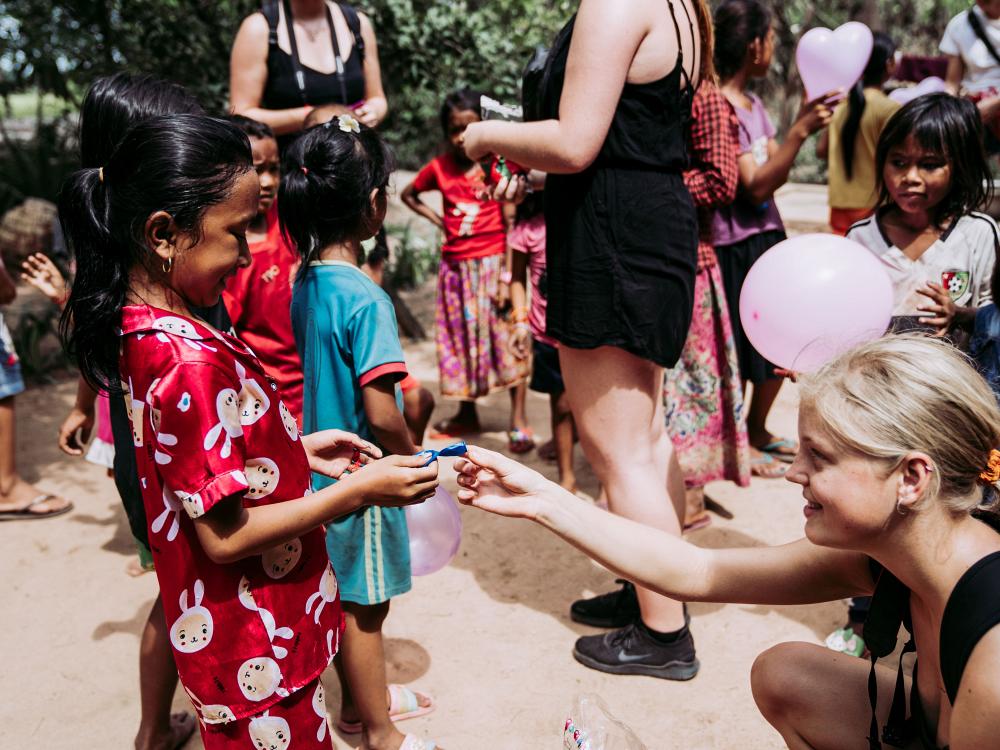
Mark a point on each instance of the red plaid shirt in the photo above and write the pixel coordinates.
(714, 175)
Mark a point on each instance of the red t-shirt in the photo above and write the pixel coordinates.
(473, 228)
(208, 424)
(259, 300)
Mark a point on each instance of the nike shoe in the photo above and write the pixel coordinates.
(631, 650)
(612, 610)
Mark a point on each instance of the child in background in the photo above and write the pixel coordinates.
(971, 42)
(259, 296)
(849, 143)
(473, 340)
(418, 402)
(18, 499)
(938, 249)
(526, 241)
(751, 225)
(332, 198)
(234, 525)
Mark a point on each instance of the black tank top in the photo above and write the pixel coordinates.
(972, 610)
(282, 90)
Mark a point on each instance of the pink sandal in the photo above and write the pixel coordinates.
(403, 704)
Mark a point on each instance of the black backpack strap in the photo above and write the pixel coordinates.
(977, 28)
(354, 24)
(270, 11)
(890, 601)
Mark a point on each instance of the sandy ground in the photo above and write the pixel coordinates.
(489, 636)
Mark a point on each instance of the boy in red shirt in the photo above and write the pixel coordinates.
(259, 297)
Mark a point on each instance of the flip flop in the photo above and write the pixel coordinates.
(449, 430)
(774, 469)
(697, 521)
(404, 704)
(520, 441)
(26, 513)
(774, 449)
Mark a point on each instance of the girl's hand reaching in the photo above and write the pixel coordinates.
(396, 480)
(941, 306)
(815, 115)
(493, 482)
(331, 452)
(75, 431)
(39, 271)
(520, 341)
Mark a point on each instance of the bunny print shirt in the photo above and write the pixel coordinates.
(209, 424)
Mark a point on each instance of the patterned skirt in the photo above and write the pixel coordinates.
(703, 395)
(474, 356)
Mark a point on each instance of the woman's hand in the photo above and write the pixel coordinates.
(75, 431)
(330, 452)
(493, 482)
(396, 480)
(941, 306)
(39, 271)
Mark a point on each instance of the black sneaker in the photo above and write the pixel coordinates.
(631, 650)
(612, 610)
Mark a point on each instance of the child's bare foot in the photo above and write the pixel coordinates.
(403, 702)
(547, 451)
(21, 500)
(135, 568)
(455, 427)
(182, 726)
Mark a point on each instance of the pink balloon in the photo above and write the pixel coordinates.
(829, 60)
(812, 297)
(931, 85)
(435, 528)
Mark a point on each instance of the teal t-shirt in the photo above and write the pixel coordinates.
(345, 331)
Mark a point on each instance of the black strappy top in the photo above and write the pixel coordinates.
(973, 609)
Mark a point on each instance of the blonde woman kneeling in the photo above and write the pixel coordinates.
(898, 439)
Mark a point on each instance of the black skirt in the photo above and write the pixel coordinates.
(734, 264)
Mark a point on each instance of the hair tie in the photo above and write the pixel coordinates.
(991, 474)
(100, 174)
(304, 170)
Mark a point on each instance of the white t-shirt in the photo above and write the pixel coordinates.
(982, 71)
(961, 261)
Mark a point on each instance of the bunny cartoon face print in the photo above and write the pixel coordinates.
(248, 634)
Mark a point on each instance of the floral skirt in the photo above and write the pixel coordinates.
(703, 395)
(474, 356)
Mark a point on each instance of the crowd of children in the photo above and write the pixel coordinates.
(212, 417)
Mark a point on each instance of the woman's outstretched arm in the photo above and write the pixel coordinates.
(796, 573)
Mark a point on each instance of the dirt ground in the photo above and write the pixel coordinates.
(489, 636)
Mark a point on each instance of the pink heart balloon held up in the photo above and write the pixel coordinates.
(435, 528)
(931, 85)
(829, 60)
(812, 297)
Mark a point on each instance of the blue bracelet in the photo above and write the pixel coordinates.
(456, 449)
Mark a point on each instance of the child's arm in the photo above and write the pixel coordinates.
(75, 430)
(411, 197)
(520, 341)
(714, 138)
(953, 77)
(384, 416)
(230, 532)
(760, 182)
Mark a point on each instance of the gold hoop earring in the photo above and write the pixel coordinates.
(168, 265)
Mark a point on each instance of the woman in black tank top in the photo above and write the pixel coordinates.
(621, 251)
(331, 62)
(899, 467)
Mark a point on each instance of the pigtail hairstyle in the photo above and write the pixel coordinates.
(882, 52)
(737, 24)
(329, 174)
(949, 126)
(180, 164)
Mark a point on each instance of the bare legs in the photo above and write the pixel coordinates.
(563, 438)
(15, 493)
(418, 404)
(158, 730)
(617, 404)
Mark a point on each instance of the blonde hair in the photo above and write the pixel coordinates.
(909, 393)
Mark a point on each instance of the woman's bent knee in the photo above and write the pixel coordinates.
(779, 675)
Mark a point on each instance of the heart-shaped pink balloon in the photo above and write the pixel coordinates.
(830, 60)
(932, 85)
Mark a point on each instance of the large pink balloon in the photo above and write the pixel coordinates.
(812, 297)
(435, 528)
(829, 60)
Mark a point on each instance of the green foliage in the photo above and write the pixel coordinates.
(414, 259)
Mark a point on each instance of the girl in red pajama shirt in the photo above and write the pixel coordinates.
(249, 597)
